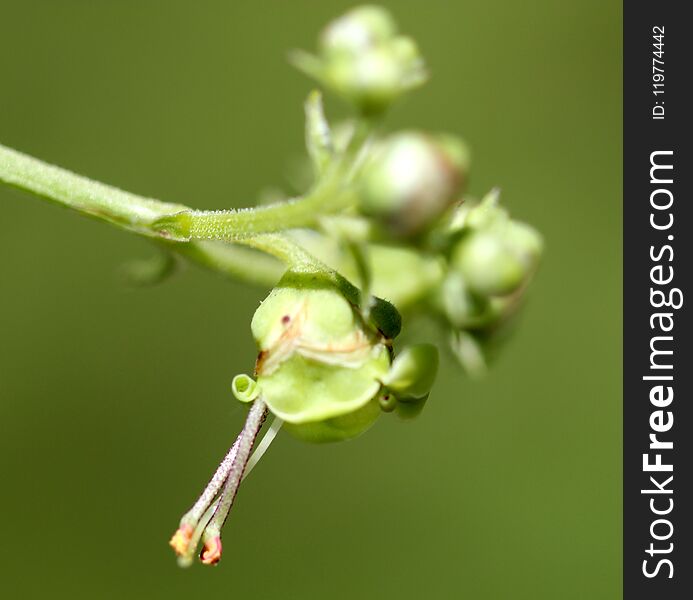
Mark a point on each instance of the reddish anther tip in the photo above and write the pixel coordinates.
(211, 553)
(181, 539)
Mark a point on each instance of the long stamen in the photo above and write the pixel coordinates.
(186, 559)
(182, 539)
(211, 552)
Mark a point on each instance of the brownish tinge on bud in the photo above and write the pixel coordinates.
(211, 552)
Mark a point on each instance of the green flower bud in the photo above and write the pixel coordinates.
(497, 261)
(362, 58)
(411, 179)
(320, 365)
(488, 264)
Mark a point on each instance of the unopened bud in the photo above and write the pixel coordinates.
(362, 58)
(488, 265)
(411, 179)
(499, 260)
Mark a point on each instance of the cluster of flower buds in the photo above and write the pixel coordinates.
(490, 260)
(362, 57)
(326, 367)
(495, 254)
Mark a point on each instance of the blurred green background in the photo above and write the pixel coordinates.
(115, 403)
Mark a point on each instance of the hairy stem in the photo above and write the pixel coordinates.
(174, 225)
(177, 227)
(232, 225)
(235, 262)
(82, 194)
(331, 195)
(131, 212)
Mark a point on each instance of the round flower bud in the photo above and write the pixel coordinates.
(362, 58)
(411, 179)
(320, 366)
(497, 261)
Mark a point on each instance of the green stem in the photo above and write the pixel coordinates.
(131, 212)
(89, 197)
(232, 261)
(287, 251)
(232, 225)
(332, 195)
(169, 224)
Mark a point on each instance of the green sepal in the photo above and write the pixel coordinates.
(413, 372)
(386, 318)
(411, 409)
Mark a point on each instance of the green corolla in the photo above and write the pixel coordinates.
(325, 369)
